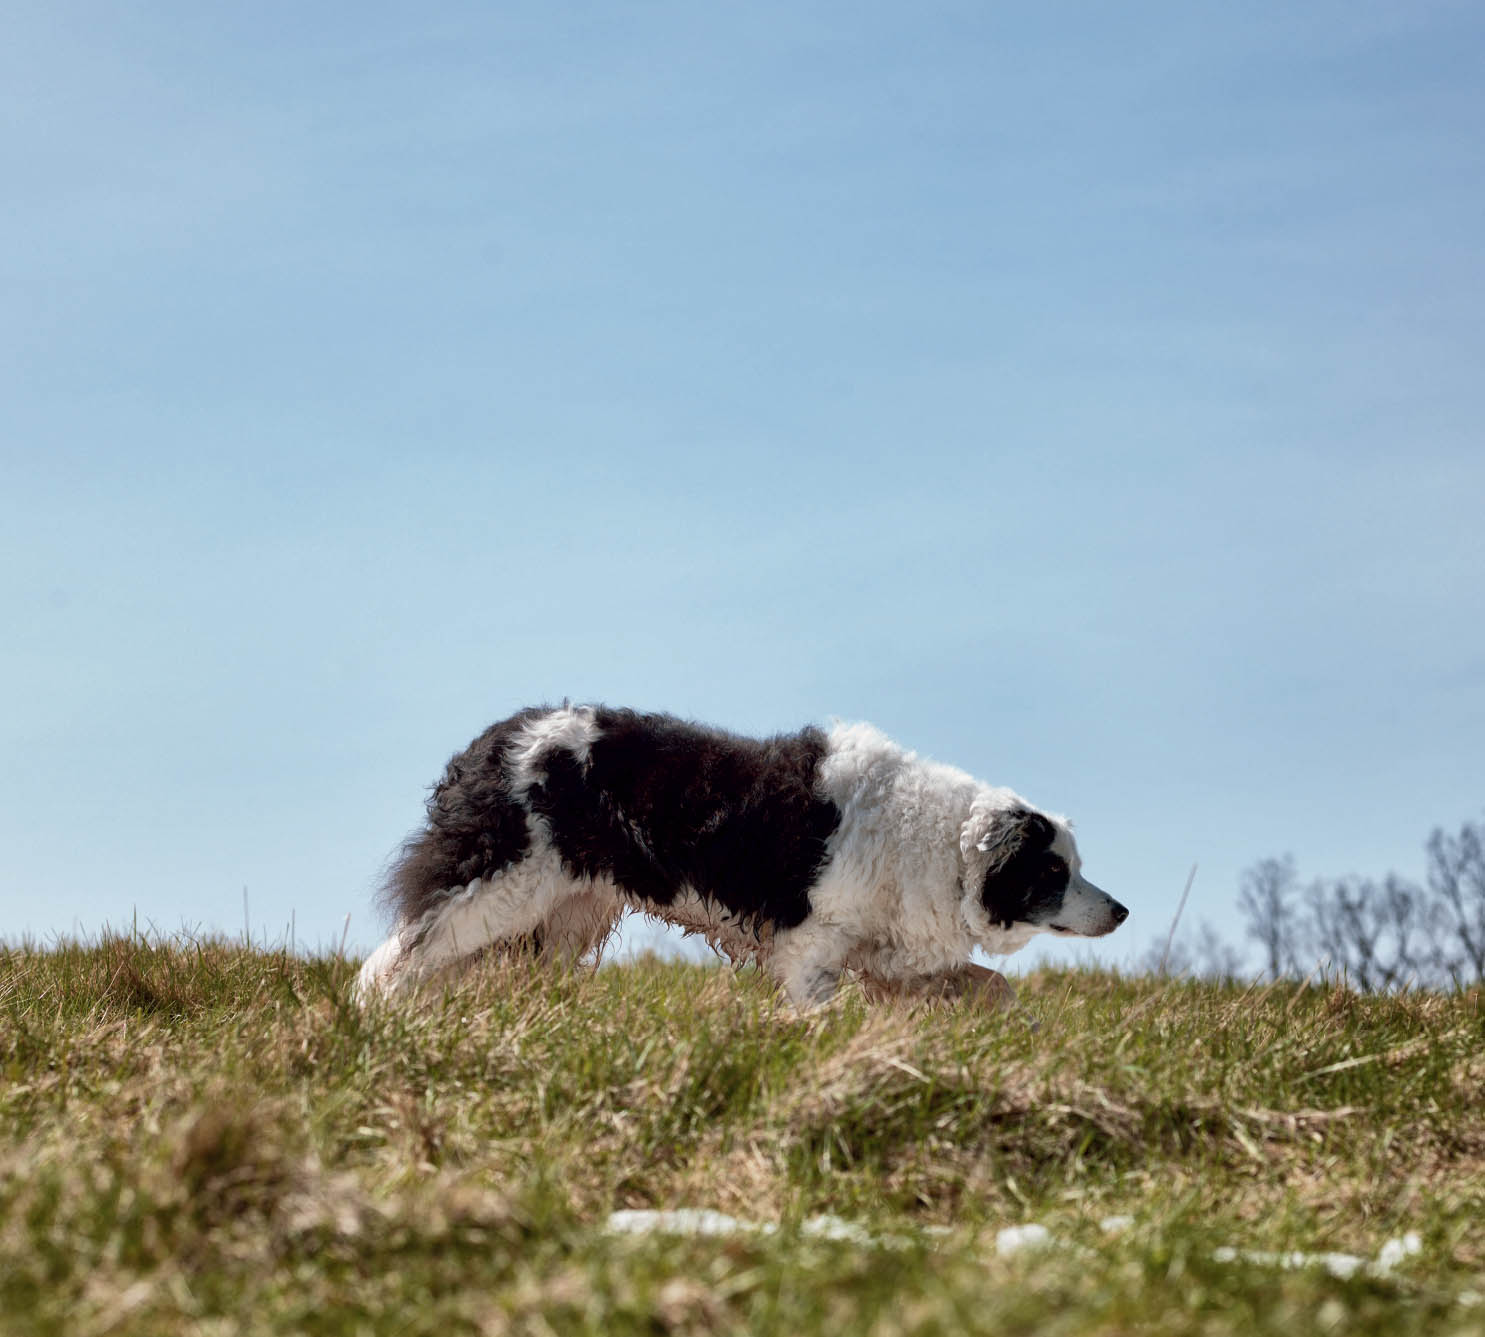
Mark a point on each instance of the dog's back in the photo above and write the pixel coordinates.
(657, 806)
(811, 852)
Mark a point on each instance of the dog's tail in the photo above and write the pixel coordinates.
(476, 827)
(418, 876)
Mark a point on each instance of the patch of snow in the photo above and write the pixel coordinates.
(700, 1221)
(1009, 1241)
(684, 1221)
(1396, 1250)
(1017, 1239)
(1340, 1265)
(834, 1228)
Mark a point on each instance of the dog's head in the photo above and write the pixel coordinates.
(1023, 876)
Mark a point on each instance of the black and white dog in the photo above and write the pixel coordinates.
(810, 853)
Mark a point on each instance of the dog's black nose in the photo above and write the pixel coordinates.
(1120, 913)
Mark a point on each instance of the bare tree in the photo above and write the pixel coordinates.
(1456, 876)
(1405, 913)
(1268, 901)
(1168, 960)
(1369, 929)
(1382, 935)
(1216, 957)
(1212, 958)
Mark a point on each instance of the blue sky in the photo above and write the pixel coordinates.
(1090, 396)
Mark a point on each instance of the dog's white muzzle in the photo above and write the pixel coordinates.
(1088, 911)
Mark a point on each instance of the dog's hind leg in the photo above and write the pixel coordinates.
(511, 905)
(378, 968)
(579, 925)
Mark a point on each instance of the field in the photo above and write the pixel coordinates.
(202, 1137)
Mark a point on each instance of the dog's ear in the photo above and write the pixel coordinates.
(1011, 835)
(1014, 846)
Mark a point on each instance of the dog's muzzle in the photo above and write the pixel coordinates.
(1089, 911)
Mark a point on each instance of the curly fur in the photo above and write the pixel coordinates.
(811, 853)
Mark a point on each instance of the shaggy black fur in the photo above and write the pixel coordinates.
(475, 827)
(1025, 882)
(662, 805)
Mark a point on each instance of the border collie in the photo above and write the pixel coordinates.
(810, 853)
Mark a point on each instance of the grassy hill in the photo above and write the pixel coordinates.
(207, 1138)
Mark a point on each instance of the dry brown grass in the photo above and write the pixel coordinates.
(186, 1126)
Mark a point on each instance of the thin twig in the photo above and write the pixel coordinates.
(1171, 937)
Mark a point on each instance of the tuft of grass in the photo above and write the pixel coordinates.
(203, 1135)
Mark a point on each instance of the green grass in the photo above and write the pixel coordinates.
(207, 1138)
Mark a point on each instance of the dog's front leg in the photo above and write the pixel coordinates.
(968, 981)
(983, 985)
(807, 962)
(992, 989)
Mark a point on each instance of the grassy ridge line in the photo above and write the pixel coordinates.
(194, 1130)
